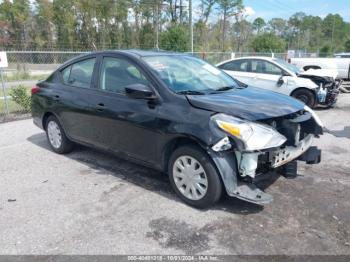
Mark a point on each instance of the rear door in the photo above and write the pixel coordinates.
(73, 99)
(239, 69)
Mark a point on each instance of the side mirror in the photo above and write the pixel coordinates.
(280, 81)
(139, 91)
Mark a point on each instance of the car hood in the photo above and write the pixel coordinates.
(248, 103)
(321, 73)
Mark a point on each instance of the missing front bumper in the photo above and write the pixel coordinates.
(289, 153)
(250, 193)
(240, 171)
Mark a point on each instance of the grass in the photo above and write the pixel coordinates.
(13, 107)
(7, 90)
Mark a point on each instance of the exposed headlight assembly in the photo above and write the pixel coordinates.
(254, 136)
(312, 112)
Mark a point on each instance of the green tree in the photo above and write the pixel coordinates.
(228, 8)
(206, 10)
(277, 26)
(43, 36)
(17, 14)
(174, 38)
(347, 45)
(268, 42)
(64, 19)
(259, 24)
(334, 29)
(325, 51)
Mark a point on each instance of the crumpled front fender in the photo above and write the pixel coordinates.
(226, 164)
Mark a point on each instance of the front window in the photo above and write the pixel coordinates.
(117, 73)
(264, 67)
(189, 74)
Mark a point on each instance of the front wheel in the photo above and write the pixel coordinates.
(194, 177)
(306, 96)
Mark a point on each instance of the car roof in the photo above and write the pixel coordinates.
(267, 58)
(138, 53)
(142, 53)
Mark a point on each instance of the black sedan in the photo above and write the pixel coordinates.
(178, 114)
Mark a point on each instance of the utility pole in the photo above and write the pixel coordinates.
(157, 26)
(333, 34)
(159, 7)
(191, 24)
(181, 6)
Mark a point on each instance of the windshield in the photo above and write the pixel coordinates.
(186, 74)
(290, 67)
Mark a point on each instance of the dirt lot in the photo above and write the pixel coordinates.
(89, 202)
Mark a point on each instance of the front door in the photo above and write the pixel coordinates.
(123, 124)
(267, 76)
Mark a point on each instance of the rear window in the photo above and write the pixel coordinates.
(79, 74)
(238, 65)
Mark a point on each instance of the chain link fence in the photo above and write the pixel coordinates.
(24, 70)
(28, 67)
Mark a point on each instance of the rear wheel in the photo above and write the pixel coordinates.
(193, 176)
(305, 96)
(56, 136)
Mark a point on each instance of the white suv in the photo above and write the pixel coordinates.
(311, 87)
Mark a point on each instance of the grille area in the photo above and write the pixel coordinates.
(294, 127)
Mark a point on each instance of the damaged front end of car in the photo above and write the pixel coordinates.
(248, 150)
(328, 88)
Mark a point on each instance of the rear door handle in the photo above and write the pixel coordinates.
(56, 98)
(100, 107)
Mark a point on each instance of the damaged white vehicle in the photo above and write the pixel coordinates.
(312, 87)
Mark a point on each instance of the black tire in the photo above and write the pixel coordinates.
(306, 96)
(214, 188)
(66, 145)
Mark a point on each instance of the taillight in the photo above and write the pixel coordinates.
(35, 89)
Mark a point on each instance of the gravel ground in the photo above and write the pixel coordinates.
(89, 202)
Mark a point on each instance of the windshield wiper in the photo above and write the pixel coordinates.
(241, 84)
(224, 88)
(190, 92)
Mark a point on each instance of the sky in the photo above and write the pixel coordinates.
(268, 9)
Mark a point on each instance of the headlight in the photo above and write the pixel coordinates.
(254, 136)
(312, 112)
